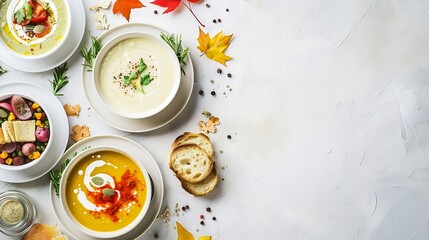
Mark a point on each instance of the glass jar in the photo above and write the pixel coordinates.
(17, 213)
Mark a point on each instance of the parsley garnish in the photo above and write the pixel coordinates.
(144, 80)
(175, 42)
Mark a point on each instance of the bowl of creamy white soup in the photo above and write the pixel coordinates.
(136, 75)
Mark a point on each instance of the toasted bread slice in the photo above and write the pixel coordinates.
(8, 131)
(24, 130)
(205, 186)
(2, 138)
(190, 163)
(199, 139)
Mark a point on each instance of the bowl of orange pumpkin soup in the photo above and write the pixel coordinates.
(105, 191)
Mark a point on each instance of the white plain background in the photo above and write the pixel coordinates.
(328, 113)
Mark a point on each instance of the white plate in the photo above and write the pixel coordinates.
(77, 30)
(151, 167)
(59, 123)
(145, 124)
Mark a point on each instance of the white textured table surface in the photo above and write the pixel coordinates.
(328, 113)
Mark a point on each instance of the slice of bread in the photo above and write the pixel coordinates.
(2, 138)
(190, 163)
(199, 139)
(205, 186)
(8, 131)
(24, 130)
(41, 231)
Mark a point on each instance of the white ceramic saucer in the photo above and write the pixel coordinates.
(151, 167)
(77, 30)
(60, 135)
(145, 124)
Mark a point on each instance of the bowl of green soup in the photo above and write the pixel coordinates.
(34, 29)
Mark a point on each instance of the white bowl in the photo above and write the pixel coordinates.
(113, 63)
(48, 146)
(103, 234)
(10, 12)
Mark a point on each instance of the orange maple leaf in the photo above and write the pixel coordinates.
(124, 7)
(214, 47)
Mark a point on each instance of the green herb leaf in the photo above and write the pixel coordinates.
(144, 80)
(60, 79)
(28, 11)
(55, 175)
(175, 42)
(207, 114)
(90, 54)
(97, 181)
(108, 192)
(19, 16)
(127, 80)
(2, 71)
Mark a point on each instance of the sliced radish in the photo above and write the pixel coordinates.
(20, 108)
(8, 147)
(6, 106)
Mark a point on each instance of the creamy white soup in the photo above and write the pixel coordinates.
(128, 90)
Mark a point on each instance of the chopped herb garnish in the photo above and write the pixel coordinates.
(60, 79)
(90, 54)
(144, 80)
(175, 42)
(207, 114)
(20, 15)
(55, 175)
(2, 71)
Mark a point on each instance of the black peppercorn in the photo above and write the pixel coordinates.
(214, 21)
(219, 70)
(207, 5)
(229, 75)
(229, 136)
(156, 12)
(214, 218)
(201, 92)
(213, 93)
(202, 223)
(208, 209)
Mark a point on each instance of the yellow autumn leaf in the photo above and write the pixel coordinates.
(182, 233)
(205, 238)
(214, 47)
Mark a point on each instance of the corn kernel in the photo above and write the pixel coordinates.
(11, 117)
(38, 115)
(40, 124)
(35, 106)
(34, 155)
(3, 155)
(9, 161)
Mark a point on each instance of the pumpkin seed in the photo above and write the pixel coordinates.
(39, 29)
(97, 181)
(108, 192)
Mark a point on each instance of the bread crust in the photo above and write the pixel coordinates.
(200, 189)
(190, 163)
(200, 139)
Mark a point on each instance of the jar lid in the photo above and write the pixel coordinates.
(17, 213)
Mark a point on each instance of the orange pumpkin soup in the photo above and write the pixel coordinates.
(106, 191)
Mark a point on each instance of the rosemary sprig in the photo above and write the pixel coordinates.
(60, 79)
(175, 42)
(55, 175)
(90, 54)
(2, 71)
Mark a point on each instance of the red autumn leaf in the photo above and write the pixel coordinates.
(124, 7)
(171, 5)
